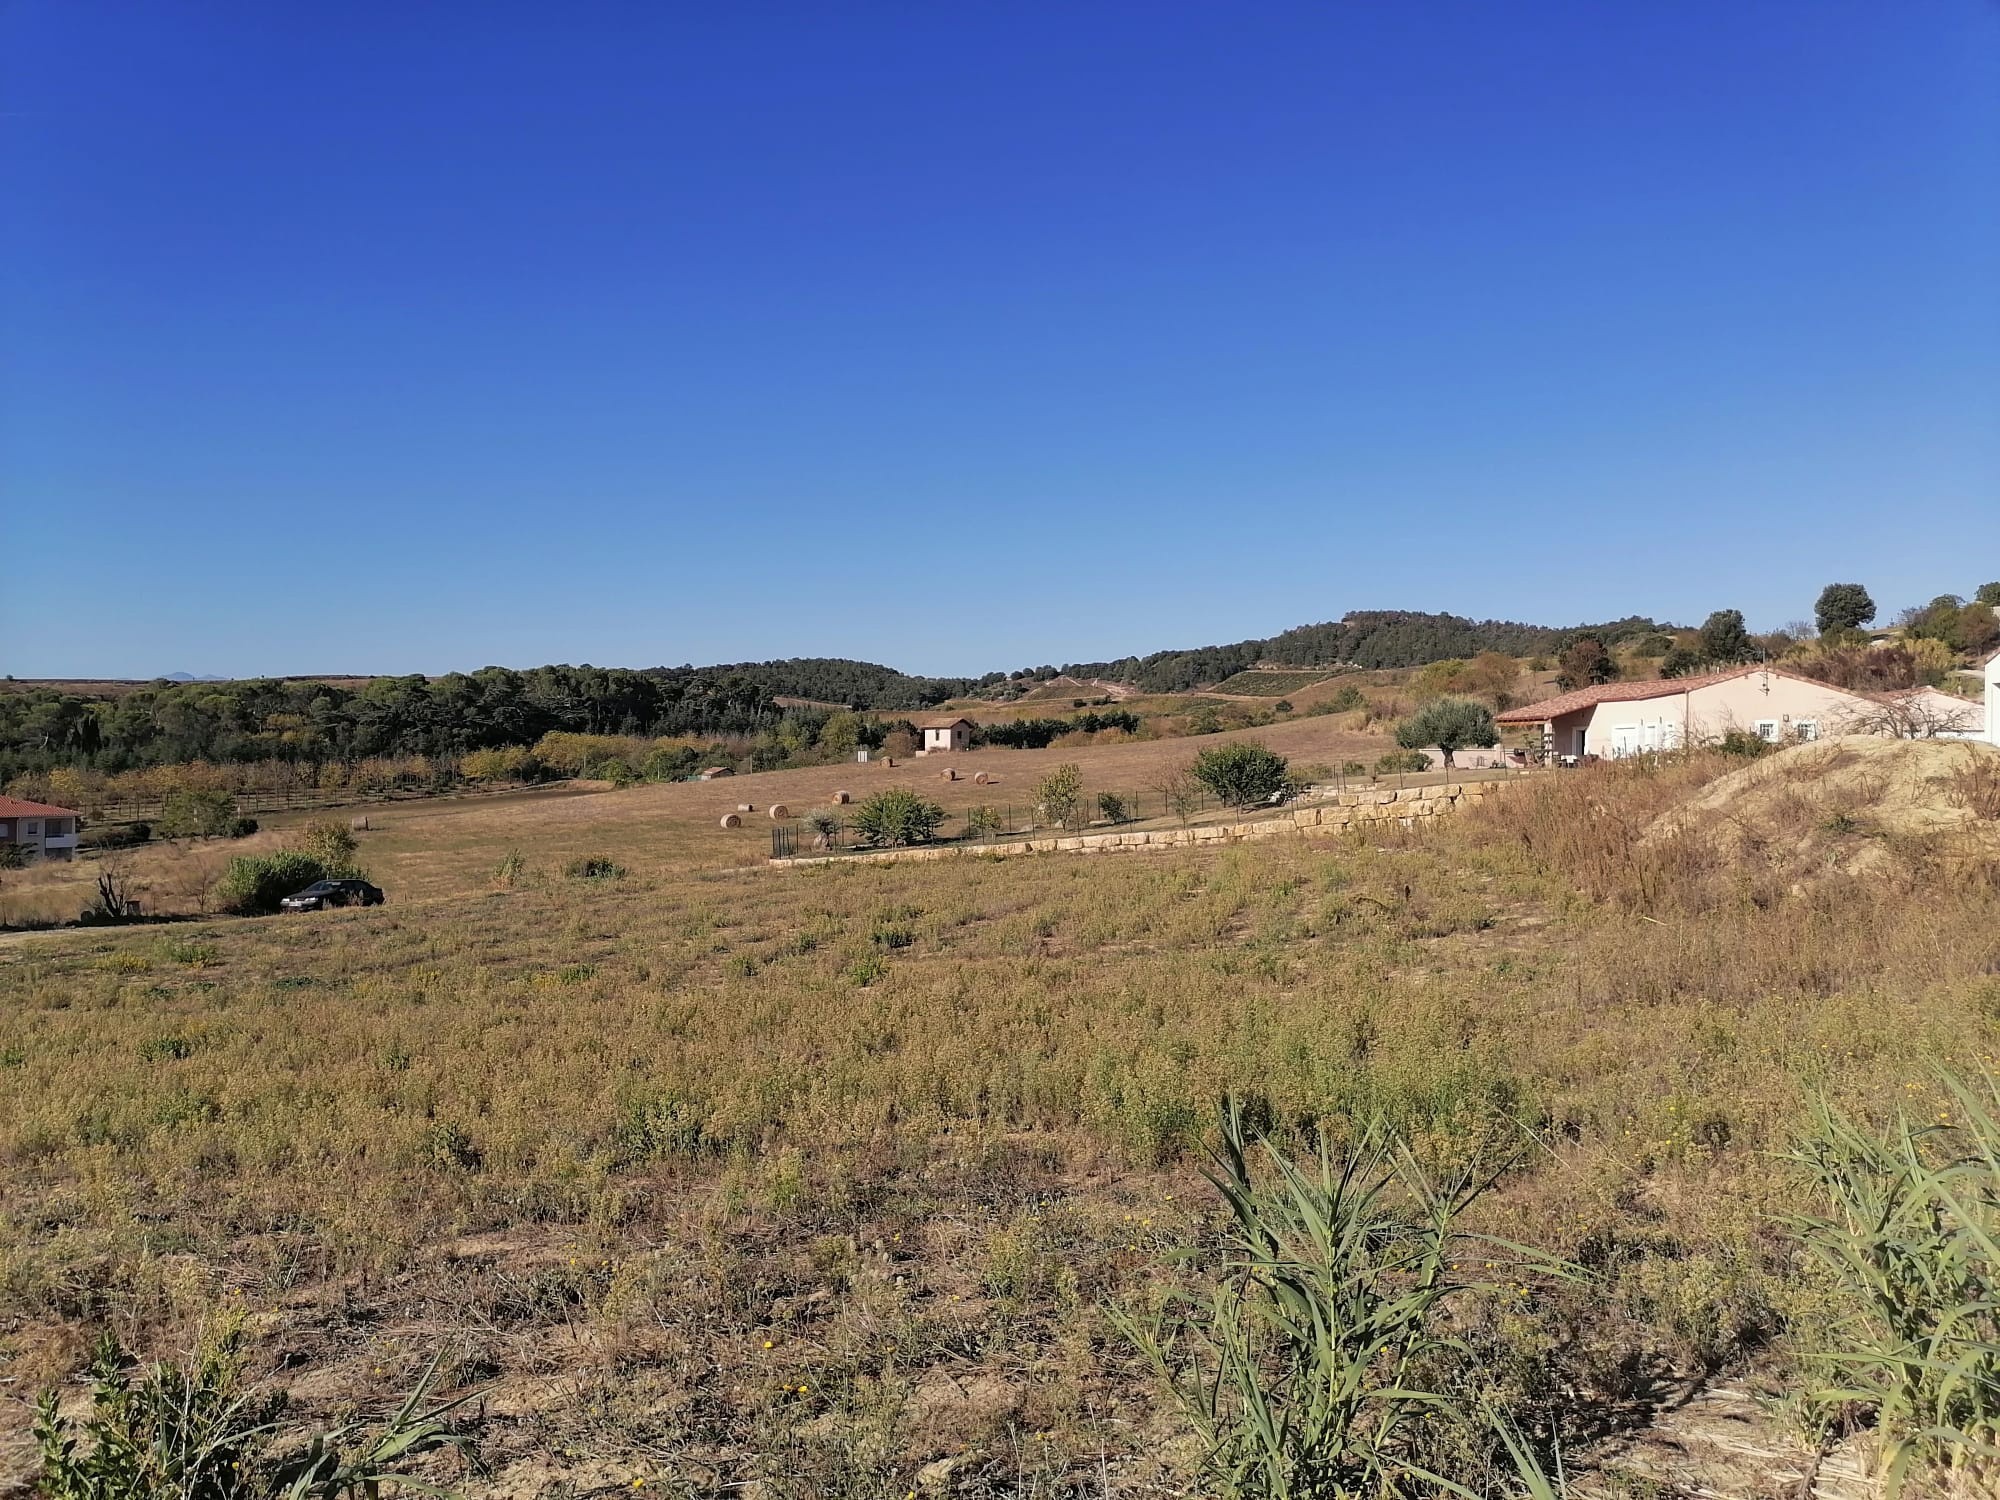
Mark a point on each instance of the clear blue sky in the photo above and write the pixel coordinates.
(374, 337)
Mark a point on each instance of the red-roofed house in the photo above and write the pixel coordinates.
(43, 830)
(1630, 718)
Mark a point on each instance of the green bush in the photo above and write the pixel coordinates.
(1242, 773)
(593, 867)
(982, 822)
(119, 836)
(189, 814)
(1399, 761)
(897, 816)
(1742, 742)
(327, 840)
(1112, 807)
(254, 884)
(242, 828)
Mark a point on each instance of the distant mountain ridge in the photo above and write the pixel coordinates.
(1375, 639)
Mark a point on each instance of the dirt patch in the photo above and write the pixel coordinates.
(1855, 806)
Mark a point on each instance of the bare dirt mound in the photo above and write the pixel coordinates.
(1855, 806)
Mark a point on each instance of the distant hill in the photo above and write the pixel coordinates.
(1375, 639)
(833, 679)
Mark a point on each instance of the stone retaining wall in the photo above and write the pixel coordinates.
(1345, 810)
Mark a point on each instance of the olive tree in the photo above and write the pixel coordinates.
(1451, 724)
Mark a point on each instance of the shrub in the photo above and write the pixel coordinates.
(242, 828)
(1742, 742)
(1347, 700)
(120, 836)
(671, 763)
(254, 884)
(512, 868)
(327, 840)
(1353, 768)
(1399, 761)
(593, 867)
(1451, 724)
(1242, 773)
(1112, 806)
(982, 822)
(1060, 793)
(897, 816)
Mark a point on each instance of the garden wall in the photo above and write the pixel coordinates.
(1339, 812)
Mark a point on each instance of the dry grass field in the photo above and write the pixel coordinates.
(723, 1180)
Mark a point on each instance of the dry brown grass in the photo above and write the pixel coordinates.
(651, 1154)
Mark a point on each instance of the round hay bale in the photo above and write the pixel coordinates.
(980, 778)
(779, 812)
(746, 807)
(358, 825)
(731, 820)
(840, 799)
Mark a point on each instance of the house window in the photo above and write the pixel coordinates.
(1806, 729)
(1767, 730)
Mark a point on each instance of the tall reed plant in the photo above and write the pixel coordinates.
(1911, 1236)
(1309, 1369)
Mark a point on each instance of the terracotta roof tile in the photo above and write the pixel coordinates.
(1618, 692)
(16, 807)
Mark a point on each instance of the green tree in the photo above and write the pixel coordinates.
(1681, 661)
(1724, 641)
(1451, 724)
(1060, 793)
(896, 816)
(1583, 662)
(192, 814)
(1843, 606)
(840, 735)
(1988, 594)
(1241, 773)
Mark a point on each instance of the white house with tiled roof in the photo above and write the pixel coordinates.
(1615, 719)
(41, 830)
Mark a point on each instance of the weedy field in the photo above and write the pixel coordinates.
(856, 1180)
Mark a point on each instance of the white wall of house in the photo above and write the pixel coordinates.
(44, 837)
(1776, 707)
(1993, 700)
(955, 737)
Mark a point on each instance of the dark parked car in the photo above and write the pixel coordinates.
(322, 894)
